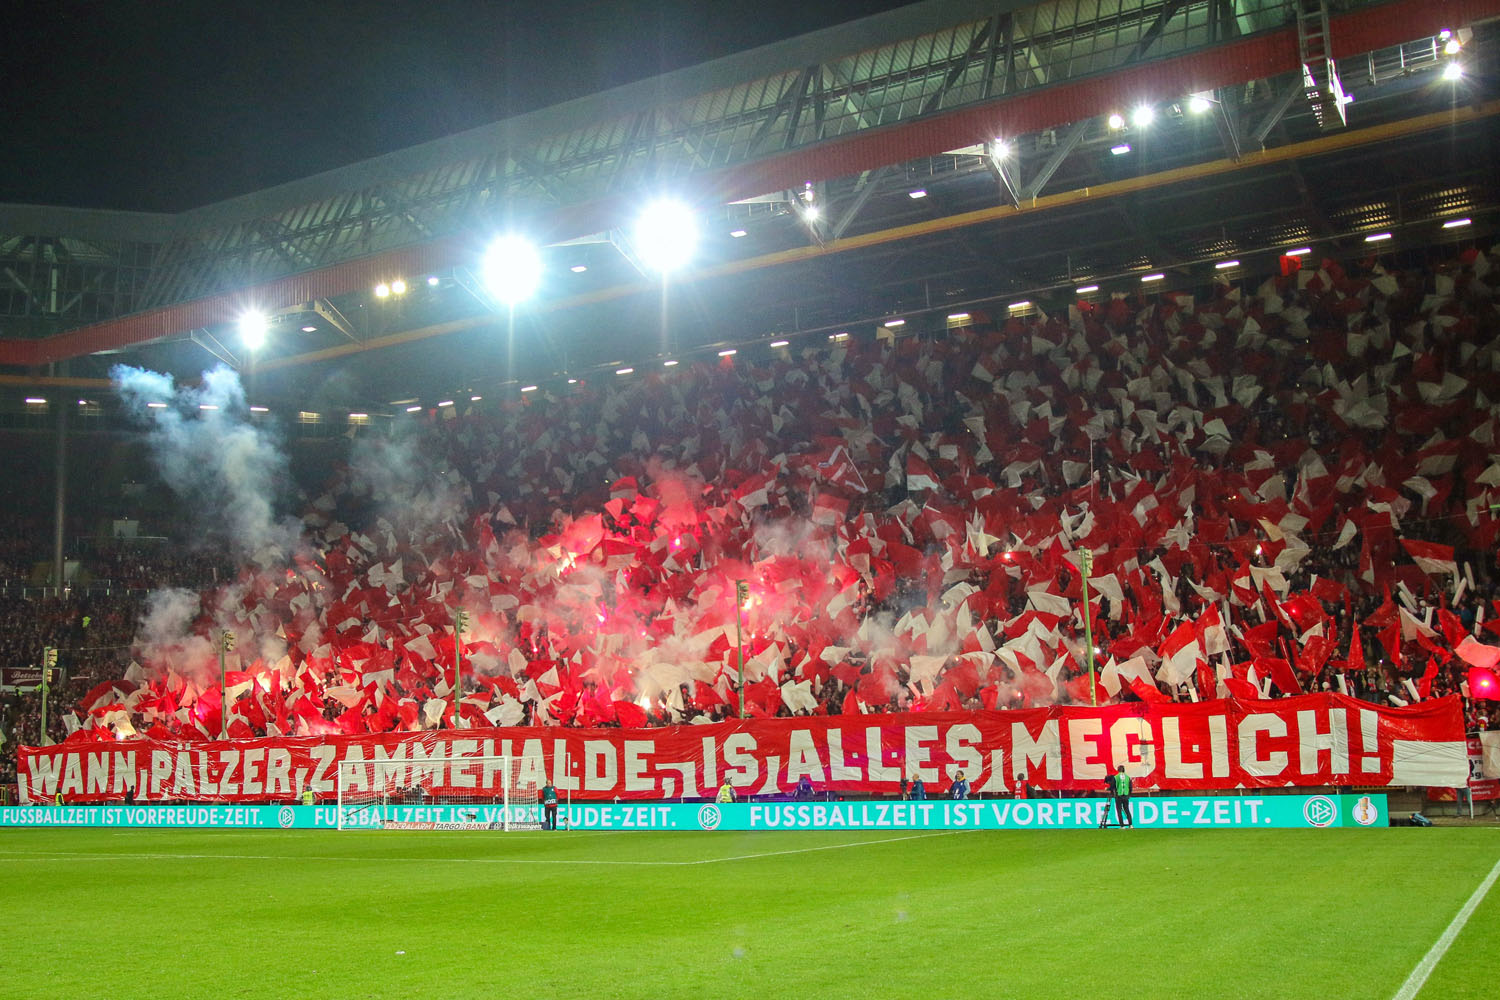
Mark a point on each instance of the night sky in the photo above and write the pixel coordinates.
(166, 105)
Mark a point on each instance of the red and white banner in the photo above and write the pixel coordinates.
(1318, 739)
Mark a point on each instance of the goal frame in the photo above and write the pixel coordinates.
(389, 785)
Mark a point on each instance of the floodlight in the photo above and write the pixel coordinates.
(1000, 149)
(666, 234)
(382, 291)
(1198, 104)
(1452, 47)
(1453, 71)
(811, 212)
(1143, 116)
(511, 269)
(253, 327)
(433, 281)
(398, 287)
(1116, 122)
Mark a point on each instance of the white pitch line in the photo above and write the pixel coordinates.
(161, 856)
(1418, 977)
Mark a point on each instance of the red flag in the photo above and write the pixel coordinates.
(1356, 659)
(919, 475)
(1431, 557)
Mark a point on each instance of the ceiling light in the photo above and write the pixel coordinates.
(309, 329)
(1299, 252)
(359, 416)
(670, 363)
(959, 317)
(572, 381)
(1017, 306)
(840, 336)
(1377, 237)
(666, 235)
(578, 268)
(1223, 264)
(1121, 149)
(623, 371)
(1143, 116)
(39, 401)
(475, 399)
(207, 406)
(153, 406)
(413, 409)
(253, 329)
(737, 233)
(1455, 223)
(528, 388)
(891, 324)
(260, 409)
(731, 352)
(1085, 289)
(511, 269)
(446, 402)
(918, 193)
(1116, 122)
(1152, 277)
(780, 343)
(433, 281)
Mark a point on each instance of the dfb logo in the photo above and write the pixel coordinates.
(286, 817)
(709, 817)
(1320, 810)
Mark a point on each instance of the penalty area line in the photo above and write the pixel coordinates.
(1418, 977)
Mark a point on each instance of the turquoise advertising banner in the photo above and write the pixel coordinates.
(1167, 812)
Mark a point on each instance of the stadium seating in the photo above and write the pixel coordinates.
(1282, 486)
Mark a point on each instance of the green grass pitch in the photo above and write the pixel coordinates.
(1096, 914)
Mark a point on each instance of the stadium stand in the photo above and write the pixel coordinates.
(1282, 487)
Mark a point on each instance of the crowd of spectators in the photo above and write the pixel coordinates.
(1251, 464)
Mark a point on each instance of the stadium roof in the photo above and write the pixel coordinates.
(961, 154)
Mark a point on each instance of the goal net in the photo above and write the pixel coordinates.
(436, 793)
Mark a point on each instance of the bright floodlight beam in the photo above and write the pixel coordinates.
(511, 269)
(253, 329)
(666, 235)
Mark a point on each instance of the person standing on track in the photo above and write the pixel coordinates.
(1119, 787)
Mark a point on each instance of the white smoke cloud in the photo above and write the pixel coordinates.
(227, 471)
